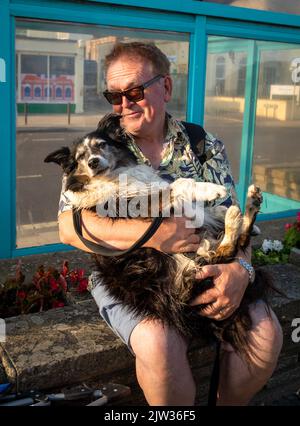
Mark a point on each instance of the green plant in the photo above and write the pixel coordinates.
(272, 252)
(46, 290)
(292, 234)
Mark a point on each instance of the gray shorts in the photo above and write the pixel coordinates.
(117, 316)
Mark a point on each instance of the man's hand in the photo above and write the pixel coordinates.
(173, 237)
(230, 283)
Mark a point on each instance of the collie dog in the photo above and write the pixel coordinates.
(151, 283)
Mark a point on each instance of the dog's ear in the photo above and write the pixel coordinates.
(110, 126)
(62, 157)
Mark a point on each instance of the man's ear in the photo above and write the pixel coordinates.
(62, 157)
(168, 84)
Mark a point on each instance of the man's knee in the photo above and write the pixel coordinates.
(266, 332)
(152, 341)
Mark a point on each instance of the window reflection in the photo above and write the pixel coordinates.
(59, 81)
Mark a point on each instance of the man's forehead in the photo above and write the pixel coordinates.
(125, 73)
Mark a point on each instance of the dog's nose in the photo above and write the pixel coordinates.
(93, 163)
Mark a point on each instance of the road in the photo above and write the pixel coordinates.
(38, 184)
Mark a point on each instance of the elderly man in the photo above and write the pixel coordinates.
(139, 87)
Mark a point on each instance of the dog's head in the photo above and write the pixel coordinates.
(98, 153)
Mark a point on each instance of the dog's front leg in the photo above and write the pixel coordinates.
(187, 190)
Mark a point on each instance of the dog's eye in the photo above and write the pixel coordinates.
(99, 144)
(80, 157)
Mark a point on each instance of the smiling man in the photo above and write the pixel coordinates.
(139, 88)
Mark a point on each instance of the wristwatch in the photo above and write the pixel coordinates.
(249, 268)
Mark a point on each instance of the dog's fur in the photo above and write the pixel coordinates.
(151, 283)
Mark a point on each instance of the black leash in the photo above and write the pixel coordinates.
(214, 378)
(96, 248)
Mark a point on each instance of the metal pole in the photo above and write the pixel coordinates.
(26, 112)
(69, 112)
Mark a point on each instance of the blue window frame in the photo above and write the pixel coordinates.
(199, 19)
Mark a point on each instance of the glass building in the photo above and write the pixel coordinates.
(236, 70)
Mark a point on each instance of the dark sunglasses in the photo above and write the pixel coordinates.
(134, 94)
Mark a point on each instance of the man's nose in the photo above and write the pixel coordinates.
(93, 162)
(126, 102)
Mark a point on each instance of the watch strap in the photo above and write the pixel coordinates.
(249, 268)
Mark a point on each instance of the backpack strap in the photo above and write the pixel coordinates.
(197, 135)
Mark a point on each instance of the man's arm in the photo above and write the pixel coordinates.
(171, 236)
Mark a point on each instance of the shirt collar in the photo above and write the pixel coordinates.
(174, 133)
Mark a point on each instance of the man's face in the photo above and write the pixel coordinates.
(146, 116)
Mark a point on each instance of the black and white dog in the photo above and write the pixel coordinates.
(151, 283)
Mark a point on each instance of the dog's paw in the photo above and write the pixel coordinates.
(206, 191)
(255, 195)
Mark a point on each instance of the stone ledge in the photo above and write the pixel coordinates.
(72, 345)
(295, 256)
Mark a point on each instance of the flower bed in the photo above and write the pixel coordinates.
(47, 289)
(275, 251)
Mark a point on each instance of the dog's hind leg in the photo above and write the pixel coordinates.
(253, 203)
(233, 229)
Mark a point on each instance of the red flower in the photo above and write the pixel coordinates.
(288, 226)
(73, 277)
(62, 282)
(80, 273)
(57, 304)
(82, 286)
(21, 295)
(53, 284)
(65, 269)
(298, 217)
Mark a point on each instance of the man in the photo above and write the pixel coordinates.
(139, 87)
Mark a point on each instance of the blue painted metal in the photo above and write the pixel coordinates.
(13, 200)
(249, 122)
(278, 215)
(103, 15)
(273, 203)
(47, 248)
(5, 132)
(212, 9)
(197, 72)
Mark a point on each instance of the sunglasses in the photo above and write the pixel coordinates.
(133, 95)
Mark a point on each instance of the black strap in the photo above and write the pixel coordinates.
(214, 378)
(96, 248)
(197, 135)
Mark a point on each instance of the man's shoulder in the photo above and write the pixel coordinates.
(201, 140)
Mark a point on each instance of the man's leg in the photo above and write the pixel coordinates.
(162, 367)
(238, 383)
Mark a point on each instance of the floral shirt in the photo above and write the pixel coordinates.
(179, 161)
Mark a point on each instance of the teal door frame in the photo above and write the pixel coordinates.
(198, 19)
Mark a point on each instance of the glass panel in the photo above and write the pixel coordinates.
(287, 6)
(59, 82)
(224, 95)
(276, 161)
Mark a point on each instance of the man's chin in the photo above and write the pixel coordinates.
(132, 123)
